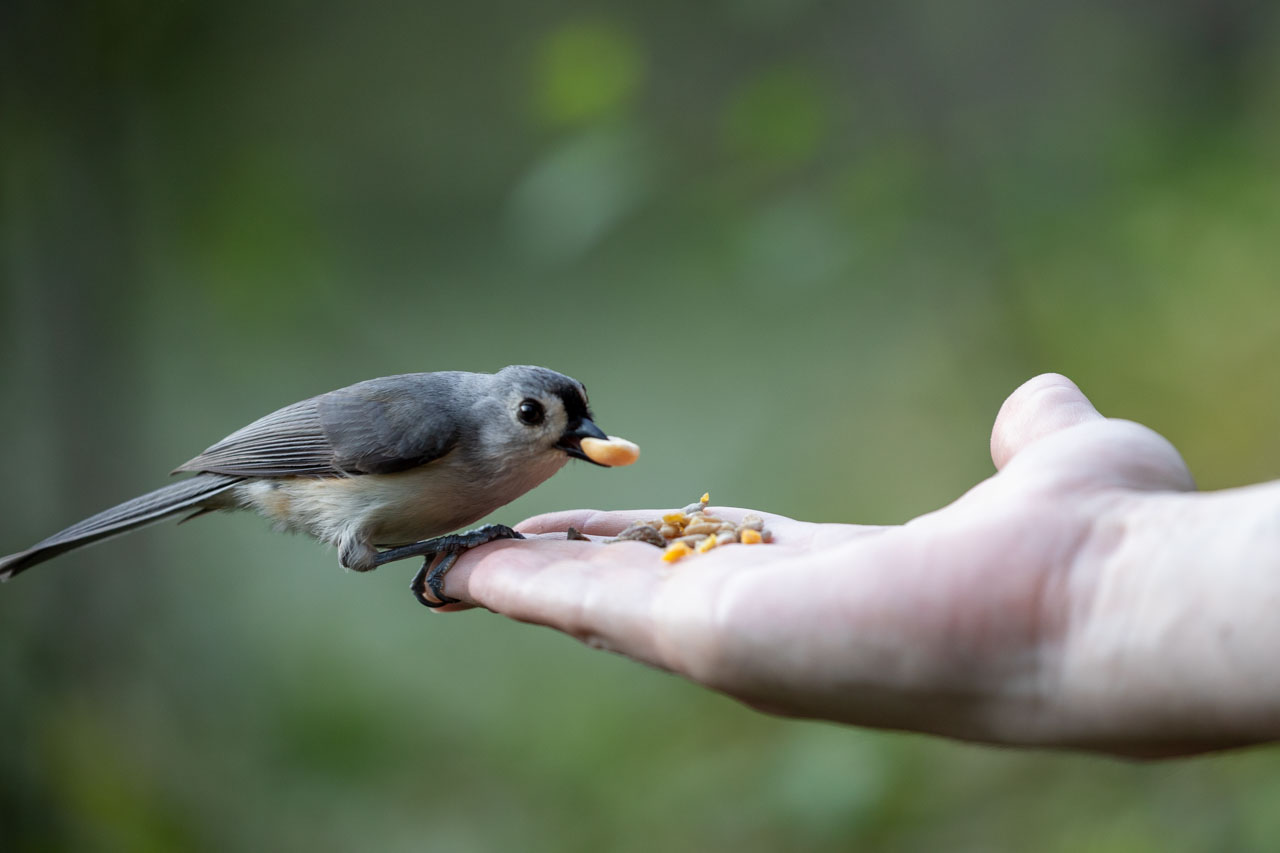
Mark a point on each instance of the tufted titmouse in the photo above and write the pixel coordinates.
(392, 464)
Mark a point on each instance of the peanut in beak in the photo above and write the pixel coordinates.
(612, 451)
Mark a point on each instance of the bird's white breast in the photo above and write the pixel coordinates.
(394, 509)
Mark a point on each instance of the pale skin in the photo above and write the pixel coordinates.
(1085, 596)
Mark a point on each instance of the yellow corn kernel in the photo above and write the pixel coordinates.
(706, 498)
(751, 537)
(675, 519)
(675, 552)
(706, 544)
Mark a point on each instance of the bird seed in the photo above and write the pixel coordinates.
(692, 531)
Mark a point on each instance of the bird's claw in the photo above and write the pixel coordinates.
(452, 547)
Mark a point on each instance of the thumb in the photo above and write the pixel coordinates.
(1103, 450)
(1039, 407)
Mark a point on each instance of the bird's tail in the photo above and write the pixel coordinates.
(153, 506)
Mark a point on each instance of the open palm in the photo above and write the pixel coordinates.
(1014, 615)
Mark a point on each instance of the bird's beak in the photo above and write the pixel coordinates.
(571, 441)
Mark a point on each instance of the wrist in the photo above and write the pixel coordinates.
(1171, 641)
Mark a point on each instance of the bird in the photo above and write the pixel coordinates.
(383, 470)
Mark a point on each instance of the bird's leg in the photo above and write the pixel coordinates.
(452, 546)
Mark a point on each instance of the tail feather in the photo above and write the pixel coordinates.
(142, 510)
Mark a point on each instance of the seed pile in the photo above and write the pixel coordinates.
(692, 531)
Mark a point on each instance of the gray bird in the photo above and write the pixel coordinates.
(382, 469)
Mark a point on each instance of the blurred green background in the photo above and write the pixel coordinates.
(799, 251)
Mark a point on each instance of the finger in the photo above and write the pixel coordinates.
(591, 521)
(1098, 451)
(601, 594)
(1039, 407)
(601, 523)
(615, 597)
(455, 574)
(1125, 454)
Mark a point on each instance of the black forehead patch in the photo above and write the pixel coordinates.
(575, 402)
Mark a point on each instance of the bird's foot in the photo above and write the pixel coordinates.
(451, 546)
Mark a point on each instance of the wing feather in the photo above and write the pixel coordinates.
(287, 442)
(376, 427)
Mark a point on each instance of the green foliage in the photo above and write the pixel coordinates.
(586, 71)
(780, 117)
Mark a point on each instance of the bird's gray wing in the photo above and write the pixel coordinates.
(287, 442)
(375, 427)
(395, 423)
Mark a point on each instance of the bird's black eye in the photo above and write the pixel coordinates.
(530, 412)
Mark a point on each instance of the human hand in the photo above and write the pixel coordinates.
(1074, 599)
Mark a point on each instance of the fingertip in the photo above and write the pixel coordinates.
(481, 571)
(1039, 407)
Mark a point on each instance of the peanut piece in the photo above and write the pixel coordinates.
(701, 528)
(612, 451)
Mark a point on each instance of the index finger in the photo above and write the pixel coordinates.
(602, 595)
(596, 522)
